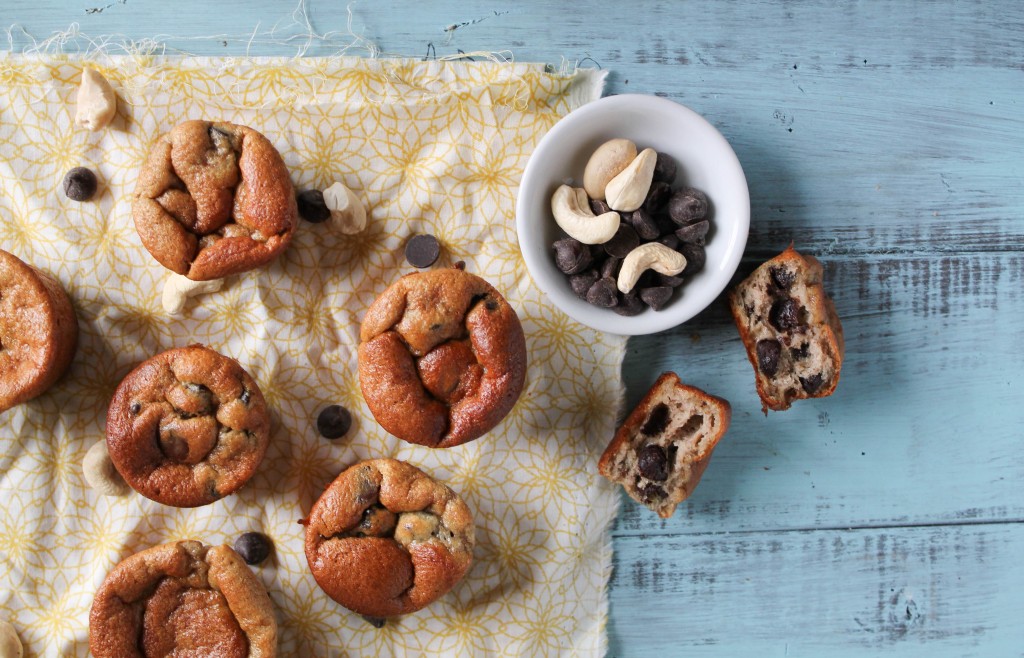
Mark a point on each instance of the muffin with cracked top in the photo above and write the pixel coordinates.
(214, 199)
(38, 331)
(442, 358)
(386, 539)
(187, 427)
(182, 599)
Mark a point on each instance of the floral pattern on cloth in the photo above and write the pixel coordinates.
(430, 147)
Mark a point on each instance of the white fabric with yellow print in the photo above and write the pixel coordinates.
(431, 147)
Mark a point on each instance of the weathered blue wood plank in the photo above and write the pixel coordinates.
(901, 591)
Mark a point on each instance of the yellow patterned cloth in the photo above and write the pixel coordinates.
(431, 147)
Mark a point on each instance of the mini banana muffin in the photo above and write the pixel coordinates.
(187, 427)
(38, 331)
(182, 599)
(386, 539)
(214, 199)
(442, 358)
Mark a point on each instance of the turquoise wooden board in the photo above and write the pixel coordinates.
(885, 138)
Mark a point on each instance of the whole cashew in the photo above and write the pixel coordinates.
(572, 213)
(178, 288)
(348, 215)
(652, 255)
(96, 100)
(607, 162)
(627, 191)
(100, 473)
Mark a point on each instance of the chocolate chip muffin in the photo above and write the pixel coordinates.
(187, 427)
(182, 599)
(790, 329)
(442, 358)
(386, 539)
(214, 199)
(38, 331)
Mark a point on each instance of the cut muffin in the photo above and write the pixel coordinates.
(661, 450)
(790, 329)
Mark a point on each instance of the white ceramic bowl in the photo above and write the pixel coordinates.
(706, 162)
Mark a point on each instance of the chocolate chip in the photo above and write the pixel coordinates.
(657, 197)
(599, 207)
(80, 184)
(768, 352)
(782, 277)
(253, 547)
(657, 421)
(664, 168)
(422, 250)
(491, 304)
(656, 296)
(630, 304)
(610, 268)
(651, 491)
(813, 383)
(135, 408)
(695, 258)
(571, 256)
(688, 205)
(800, 353)
(652, 463)
(334, 422)
(312, 206)
(670, 241)
(695, 233)
(581, 282)
(376, 622)
(785, 314)
(669, 280)
(624, 241)
(644, 224)
(603, 293)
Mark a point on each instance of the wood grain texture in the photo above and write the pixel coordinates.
(884, 137)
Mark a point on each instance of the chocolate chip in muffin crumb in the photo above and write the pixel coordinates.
(782, 277)
(653, 463)
(80, 184)
(657, 421)
(768, 352)
(135, 408)
(253, 547)
(785, 314)
(813, 383)
(312, 206)
(334, 422)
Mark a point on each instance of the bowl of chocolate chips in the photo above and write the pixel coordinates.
(632, 214)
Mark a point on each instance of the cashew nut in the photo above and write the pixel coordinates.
(652, 255)
(178, 288)
(627, 191)
(607, 162)
(96, 101)
(347, 213)
(100, 473)
(10, 645)
(573, 214)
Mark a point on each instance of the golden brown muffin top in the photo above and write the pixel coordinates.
(184, 600)
(386, 539)
(214, 199)
(35, 317)
(442, 358)
(207, 416)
